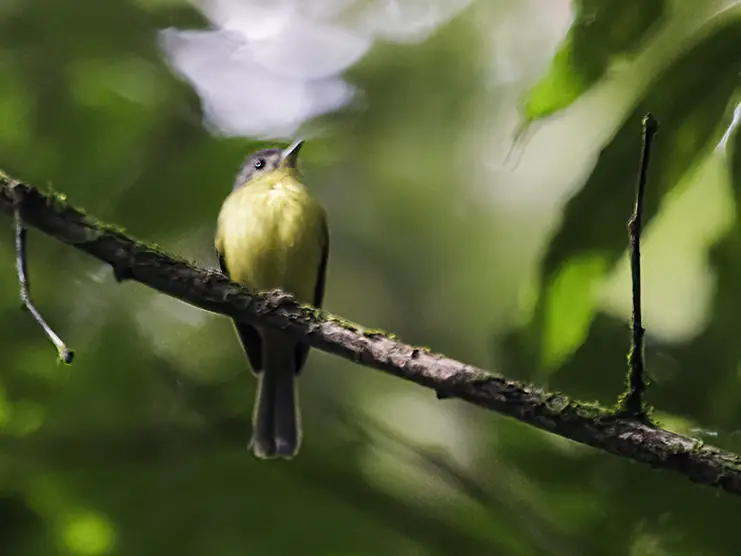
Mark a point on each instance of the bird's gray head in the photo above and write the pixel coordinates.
(265, 161)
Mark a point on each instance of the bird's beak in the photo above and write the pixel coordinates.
(289, 157)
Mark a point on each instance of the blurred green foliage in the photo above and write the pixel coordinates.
(139, 446)
(601, 33)
(694, 113)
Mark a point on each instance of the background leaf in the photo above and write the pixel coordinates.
(693, 113)
(602, 31)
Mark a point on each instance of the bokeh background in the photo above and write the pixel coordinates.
(477, 159)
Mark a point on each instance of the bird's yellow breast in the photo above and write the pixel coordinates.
(272, 235)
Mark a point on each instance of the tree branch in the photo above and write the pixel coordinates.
(210, 290)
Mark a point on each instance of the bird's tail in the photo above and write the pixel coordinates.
(276, 431)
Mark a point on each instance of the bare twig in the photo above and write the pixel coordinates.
(589, 424)
(65, 354)
(632, 401)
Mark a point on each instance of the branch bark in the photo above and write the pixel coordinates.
(588, 424)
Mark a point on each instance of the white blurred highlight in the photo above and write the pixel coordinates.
(269, 66)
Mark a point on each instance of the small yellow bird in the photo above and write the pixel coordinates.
(272, 234)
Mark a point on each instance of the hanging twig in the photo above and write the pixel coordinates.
(632, 401)
(65, 354)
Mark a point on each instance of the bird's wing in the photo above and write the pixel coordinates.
(322, 276)
(302, 350)
(248, 334)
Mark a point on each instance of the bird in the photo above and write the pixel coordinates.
(272, 234)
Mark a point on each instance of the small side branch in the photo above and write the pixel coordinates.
(65, 354)
(632, 401)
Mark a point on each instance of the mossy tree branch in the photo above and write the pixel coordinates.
(589, 424)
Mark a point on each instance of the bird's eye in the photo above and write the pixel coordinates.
(259, 163)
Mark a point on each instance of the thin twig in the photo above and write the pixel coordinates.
(65, 354)
(632, 401)
(591, 424)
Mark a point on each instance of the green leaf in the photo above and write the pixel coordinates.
(602, 31)
(569, 307)
(717, 350)
(691, 102)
